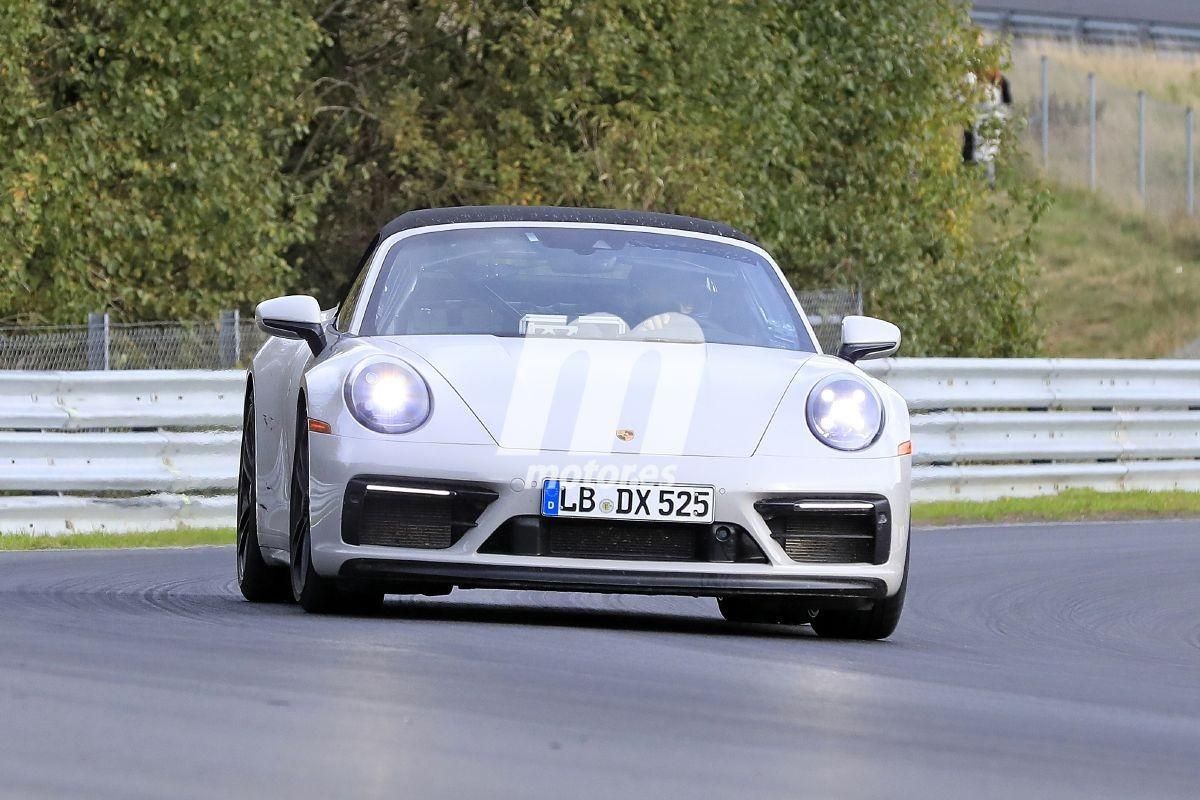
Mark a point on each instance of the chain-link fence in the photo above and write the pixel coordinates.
(230, 342)
(826, 308)
(1089, 133)
(222, 344)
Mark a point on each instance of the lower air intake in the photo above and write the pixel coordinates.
(642, 541)
(401, 512)
(398, 520)
(624, 540)
(830, 531)
(848, 540)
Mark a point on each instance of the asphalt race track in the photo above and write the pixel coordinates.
(1031, 662)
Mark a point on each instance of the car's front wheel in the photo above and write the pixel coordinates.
(258, 581)
(765, 610)
(314, 593)
(877, 622)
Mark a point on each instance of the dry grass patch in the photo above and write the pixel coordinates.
(1167, 76)
(1114, 284)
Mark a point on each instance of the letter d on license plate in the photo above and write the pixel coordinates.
(631, 501)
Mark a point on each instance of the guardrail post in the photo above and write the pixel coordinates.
(1045, 112)
(1142, 145)
(229, 344)
(1189, 126)
(1092, 131)
(97, 341)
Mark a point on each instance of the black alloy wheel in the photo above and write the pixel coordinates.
(258, 581)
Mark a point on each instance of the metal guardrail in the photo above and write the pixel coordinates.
(989, 428)
(1029, 383)
(1092, 30)
(157, 449)
(70, 514)
(120, 399)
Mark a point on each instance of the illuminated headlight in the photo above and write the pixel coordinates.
(844, 412)
(388, 396)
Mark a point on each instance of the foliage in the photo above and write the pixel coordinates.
(602, 103)
(828, 129)
(143, 146)
(866, 183)
(167, 159)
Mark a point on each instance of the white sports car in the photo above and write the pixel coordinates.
(580, 400)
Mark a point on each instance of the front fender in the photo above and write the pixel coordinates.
(275, 376)
(450, 420)
(788, 433)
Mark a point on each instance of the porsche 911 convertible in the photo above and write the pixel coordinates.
(580, 400)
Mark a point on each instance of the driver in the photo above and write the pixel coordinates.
(687, 299)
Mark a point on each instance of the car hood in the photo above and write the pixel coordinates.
(654, 398)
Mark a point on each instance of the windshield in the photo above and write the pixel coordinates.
(582, 282)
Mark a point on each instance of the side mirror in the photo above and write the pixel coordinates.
(294, 316)
(867, 337)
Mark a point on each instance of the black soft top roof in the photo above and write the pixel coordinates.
(604, 216)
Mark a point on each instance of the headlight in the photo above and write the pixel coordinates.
(388, 396)
(844, 412)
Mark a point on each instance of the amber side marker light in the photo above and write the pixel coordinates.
(905, 449)
(317, 426)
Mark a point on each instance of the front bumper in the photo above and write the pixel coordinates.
(466, 575)
(740, 483)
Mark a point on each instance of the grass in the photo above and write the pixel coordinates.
(1115, 284)
(76, 541)
(1069, 506)
(1119, 274)
(1171, 77)
(1170, 85)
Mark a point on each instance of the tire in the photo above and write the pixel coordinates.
(739, 609)
(314, 593)
(878, 622)
(258, 581)
(762, 610)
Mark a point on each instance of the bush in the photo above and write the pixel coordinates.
(143, 150)
(167, 159)
(865, 182)
(829, 129)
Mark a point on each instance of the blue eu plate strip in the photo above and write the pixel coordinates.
(550, 491)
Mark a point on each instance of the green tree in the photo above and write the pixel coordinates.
(143, 146)
(830, 129)
(864, 184)
(455, 103)
(166, 159)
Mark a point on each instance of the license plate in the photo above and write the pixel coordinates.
(675, 502)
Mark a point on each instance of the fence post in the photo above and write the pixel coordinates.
(1189, 120)
(1092, 131)
(1142, 145)
(1045, 112)
(97, 341)
(230, 342)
